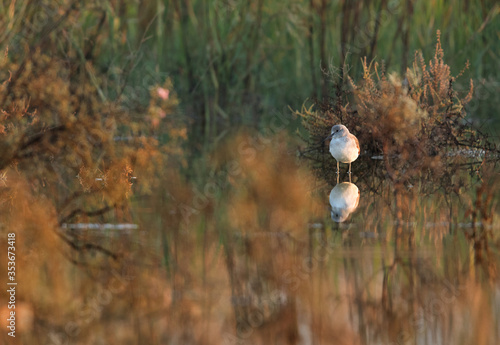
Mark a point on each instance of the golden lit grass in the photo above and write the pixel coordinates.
(244, 267)
(70, 155)
(40, 262)
(271, 192)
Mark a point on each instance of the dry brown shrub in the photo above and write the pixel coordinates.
(417, 123)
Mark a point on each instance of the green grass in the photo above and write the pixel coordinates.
(234, 63)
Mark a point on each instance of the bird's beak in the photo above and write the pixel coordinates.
(329, 137)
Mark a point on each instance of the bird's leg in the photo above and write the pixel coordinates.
(338, 171)
(338, 178)
(349, 177)
(349, 169)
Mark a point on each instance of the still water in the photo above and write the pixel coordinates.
(263, 249)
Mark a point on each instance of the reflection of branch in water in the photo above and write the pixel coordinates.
(82, 247)
(80, 211)
(87, 247)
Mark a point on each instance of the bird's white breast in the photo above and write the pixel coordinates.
(344, 149)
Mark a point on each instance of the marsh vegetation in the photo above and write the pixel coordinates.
(164, 169)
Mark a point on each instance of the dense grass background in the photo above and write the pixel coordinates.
(238, 62)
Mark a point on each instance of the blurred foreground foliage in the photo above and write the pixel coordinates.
(78, 147)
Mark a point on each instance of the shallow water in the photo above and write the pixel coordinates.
(252, 253)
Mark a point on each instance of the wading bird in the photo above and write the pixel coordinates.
(344, 146)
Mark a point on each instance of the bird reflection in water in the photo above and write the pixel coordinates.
(344, 199)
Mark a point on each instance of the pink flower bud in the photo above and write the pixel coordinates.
(163, 93)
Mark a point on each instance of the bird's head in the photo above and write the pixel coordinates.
(337, 132)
